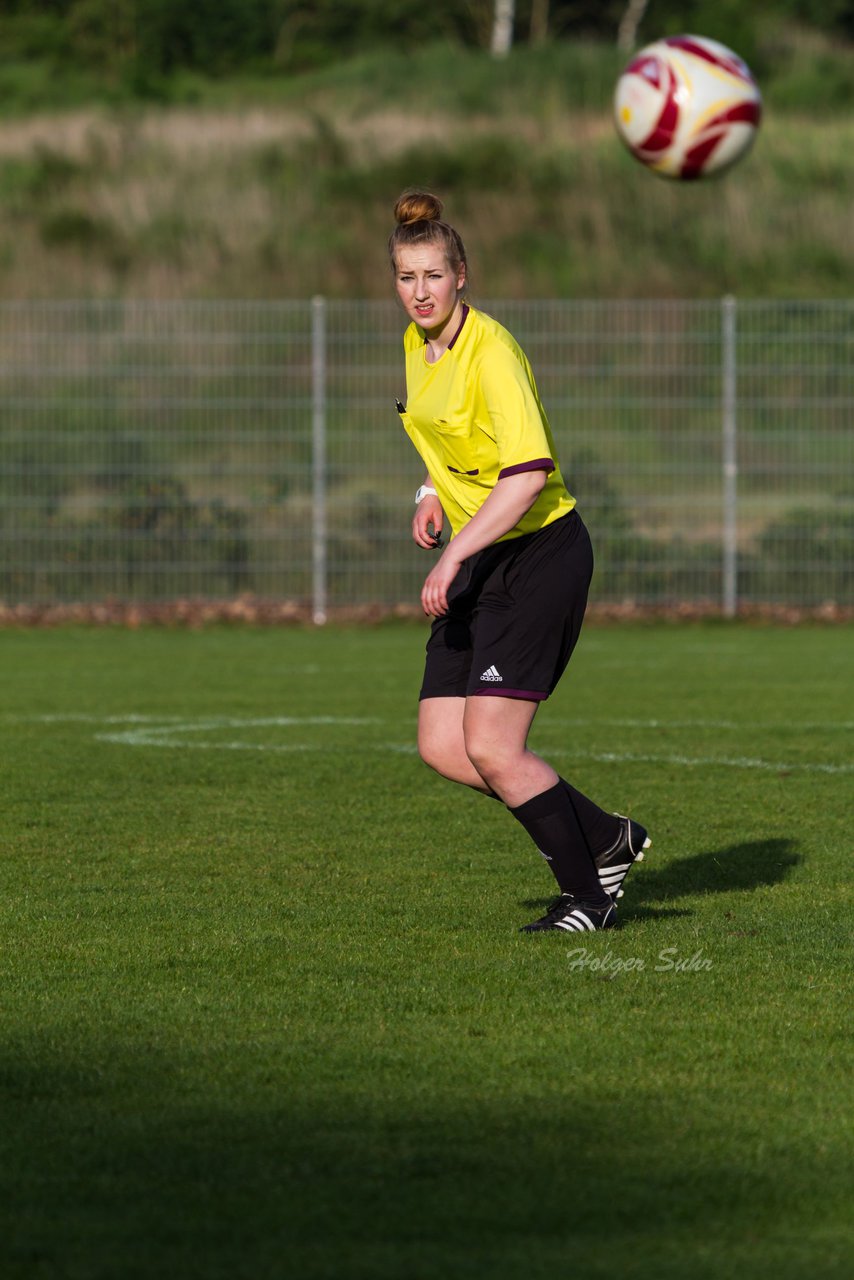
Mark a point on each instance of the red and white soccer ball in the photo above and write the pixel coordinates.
(687, 107)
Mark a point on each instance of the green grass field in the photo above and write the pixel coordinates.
(266, 1011)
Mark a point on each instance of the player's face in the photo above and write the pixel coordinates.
(428, 288)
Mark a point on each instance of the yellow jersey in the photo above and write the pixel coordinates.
(475, 416)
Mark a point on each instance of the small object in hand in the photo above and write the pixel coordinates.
(436, 539)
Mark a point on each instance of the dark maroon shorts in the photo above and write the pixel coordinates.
(516, 610)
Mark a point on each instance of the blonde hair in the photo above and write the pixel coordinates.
(418, 215)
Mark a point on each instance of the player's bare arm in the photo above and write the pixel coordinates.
(429, 519)
(502, 510)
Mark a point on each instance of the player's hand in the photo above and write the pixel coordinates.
(434, 593)
(427, 522)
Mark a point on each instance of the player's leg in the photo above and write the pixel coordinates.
(442, 746)
(521, 652)
(497, 749)
(496, 737)
(441, 743)
(442, 701)
(481, 742)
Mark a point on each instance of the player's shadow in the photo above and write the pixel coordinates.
(739, 868)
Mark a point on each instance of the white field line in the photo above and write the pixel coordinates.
(793, 726)
(180, 724)
(693, 762)
(164, 731)
(85, 718)
(552, 722)
(171, 731)
(144, 739)
(166, 735)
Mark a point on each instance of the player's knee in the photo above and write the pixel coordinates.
(491, 759)
(430, 750)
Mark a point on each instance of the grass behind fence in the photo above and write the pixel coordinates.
(266, 1010)
(288, 193)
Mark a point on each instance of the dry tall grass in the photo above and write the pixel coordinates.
(287, 202)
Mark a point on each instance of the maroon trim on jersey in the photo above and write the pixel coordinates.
(527, 695)
(538, 464)
(460, 329)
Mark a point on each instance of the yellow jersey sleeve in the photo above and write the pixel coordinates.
(506, 391)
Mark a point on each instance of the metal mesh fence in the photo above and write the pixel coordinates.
(153, 451)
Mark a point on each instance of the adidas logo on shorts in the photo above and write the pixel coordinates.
(491, 675)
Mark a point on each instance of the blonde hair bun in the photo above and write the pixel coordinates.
(417, 206)
(419, 221)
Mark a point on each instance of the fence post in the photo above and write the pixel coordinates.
(729, 459)
(318, 459)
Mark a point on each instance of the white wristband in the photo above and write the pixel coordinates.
(424, 492)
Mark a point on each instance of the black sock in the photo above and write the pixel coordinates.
(601, 830)
(550, 821)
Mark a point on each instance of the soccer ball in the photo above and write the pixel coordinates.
(687, 107)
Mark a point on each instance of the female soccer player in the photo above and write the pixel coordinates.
(509, 591)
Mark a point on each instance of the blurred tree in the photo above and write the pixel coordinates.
(502, 28)
(539, 27)
(627, 31)
(217, 37)
(311, 32)
(102, 33)
(829, 15)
